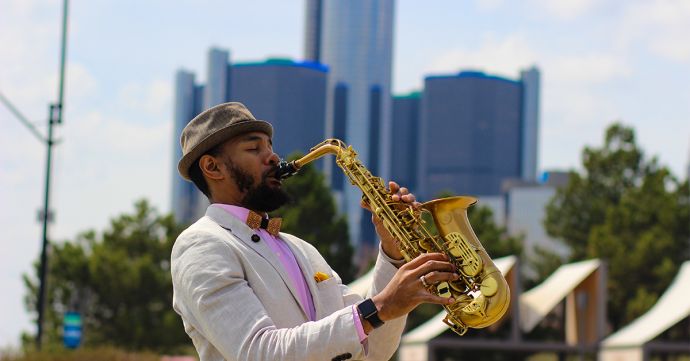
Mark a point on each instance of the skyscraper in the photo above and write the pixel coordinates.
(312, 30)
(217, 78)
(188, 103)
(406, 135)
(356, 45)
(472, 133)
(530, 122)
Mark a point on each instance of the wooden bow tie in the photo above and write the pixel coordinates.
(272, 226)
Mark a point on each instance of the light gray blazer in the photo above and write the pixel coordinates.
(237, 302)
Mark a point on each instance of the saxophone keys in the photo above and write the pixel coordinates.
(443, 289)
(489, 286)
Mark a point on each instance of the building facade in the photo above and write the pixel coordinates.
(404, 147)
(186, 198)
(357, 45)
(472, 133)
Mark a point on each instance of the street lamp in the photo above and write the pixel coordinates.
(54, 117)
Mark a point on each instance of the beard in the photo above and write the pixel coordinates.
(261, 197)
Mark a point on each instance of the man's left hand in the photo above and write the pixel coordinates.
(388, 243)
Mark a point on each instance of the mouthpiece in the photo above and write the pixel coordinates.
(286, 170)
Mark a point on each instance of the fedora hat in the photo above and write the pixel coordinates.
(214, 126)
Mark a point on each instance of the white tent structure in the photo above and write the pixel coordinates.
(582, 285)
(631, 342)
(414, 347)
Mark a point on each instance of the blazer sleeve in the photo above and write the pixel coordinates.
(383, 341)
(214, 297)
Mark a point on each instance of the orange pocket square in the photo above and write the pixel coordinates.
(320, 276)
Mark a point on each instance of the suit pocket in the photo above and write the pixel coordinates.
(330, 295)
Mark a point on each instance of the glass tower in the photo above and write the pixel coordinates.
(356, 44)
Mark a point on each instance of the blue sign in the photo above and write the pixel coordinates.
(71, 333)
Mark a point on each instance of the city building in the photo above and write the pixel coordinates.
(525, 212)
(186, 198)
(530, 123)
(474, 133)
(404, 146)
(356, 43)
(313, 23)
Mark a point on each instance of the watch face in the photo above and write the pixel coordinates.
(367, 308)
(369, 312)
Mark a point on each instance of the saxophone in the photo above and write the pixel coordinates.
(481, 293)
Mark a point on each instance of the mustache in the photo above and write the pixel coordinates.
(270, 173)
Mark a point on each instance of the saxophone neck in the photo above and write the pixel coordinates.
(328, 146)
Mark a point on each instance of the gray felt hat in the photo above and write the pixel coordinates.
(214, 126)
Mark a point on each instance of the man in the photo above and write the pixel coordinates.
(249, 293)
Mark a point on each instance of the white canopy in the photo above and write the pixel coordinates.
(536, 303)
(672, 307)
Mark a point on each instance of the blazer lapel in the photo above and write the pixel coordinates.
(244, 234)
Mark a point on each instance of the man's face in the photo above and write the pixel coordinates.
(251, 165)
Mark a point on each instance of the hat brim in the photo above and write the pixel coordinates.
(219, 137)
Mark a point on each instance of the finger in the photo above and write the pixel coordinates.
(425, 257)
(408, 198)
(365, 205)
(429, 297)
(393, 187)
(404, 190)
(430, 266)
(440, 276)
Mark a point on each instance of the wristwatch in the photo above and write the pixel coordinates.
(369, 312)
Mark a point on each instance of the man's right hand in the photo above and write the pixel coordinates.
(406, 291)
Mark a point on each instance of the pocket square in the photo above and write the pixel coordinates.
(320, 276)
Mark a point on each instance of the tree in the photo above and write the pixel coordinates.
(630, 212)
(312, 216)
(119, 281)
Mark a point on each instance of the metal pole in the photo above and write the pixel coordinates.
(54, 117)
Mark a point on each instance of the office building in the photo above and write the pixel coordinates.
(404, 146)
(356, 44)
(186, 198)
(473, 135)
(530, 123)
(313, 23)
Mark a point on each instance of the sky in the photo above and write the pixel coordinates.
(601, 61)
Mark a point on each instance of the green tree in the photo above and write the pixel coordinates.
(312, 216)
(629, 211)
(119, 281)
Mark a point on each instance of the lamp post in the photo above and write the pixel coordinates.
(54, 117)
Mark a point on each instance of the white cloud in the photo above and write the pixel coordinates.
(488, 5)
(587, 69)
(661, 26)
(564, 9)
(506, 56)
(154, 98)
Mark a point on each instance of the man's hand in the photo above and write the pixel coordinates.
(388, 243)
(406, 290)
